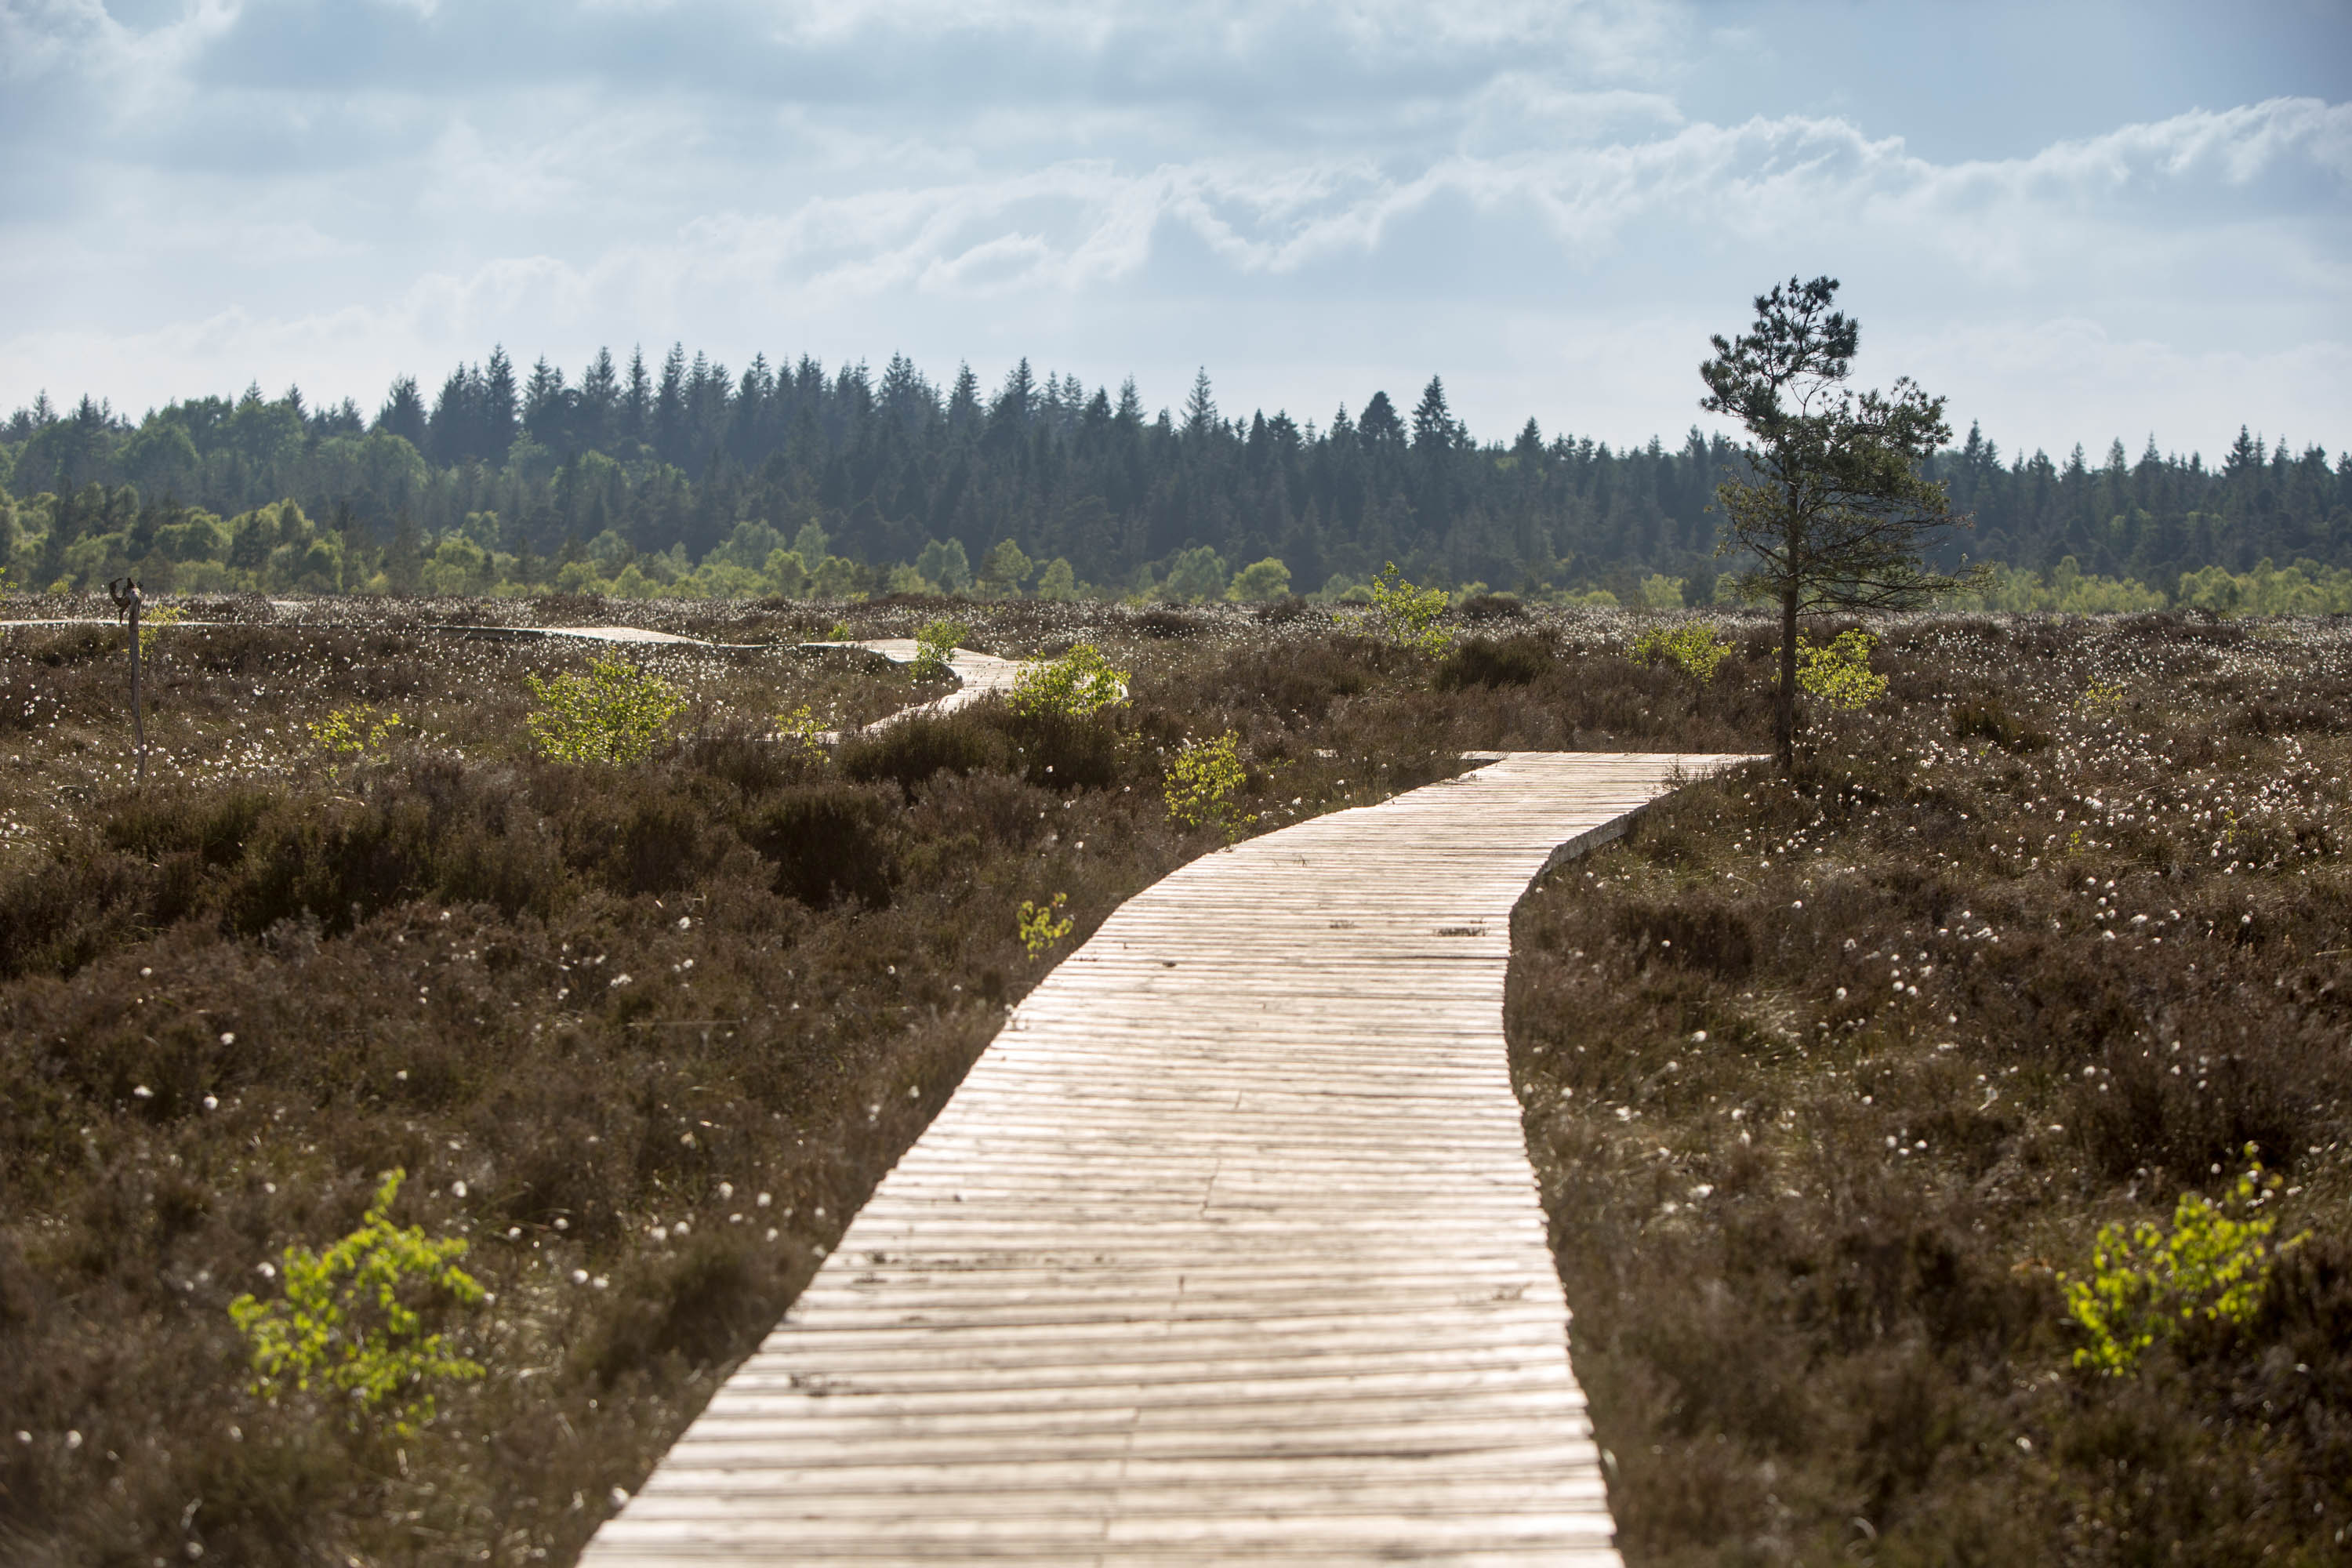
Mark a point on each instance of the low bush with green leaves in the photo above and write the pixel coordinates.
(152, 623)
(1202, 779)
(2146, 1283)
(351, 1319)
(1040, 930)
(1693, 649)
(800, 734)
(1838, 672)
(352, 734)
(1078, 685)
(615, 713)
(1407, 616)
(2102, 696)
(935, 643)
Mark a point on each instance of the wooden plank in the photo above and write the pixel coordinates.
(1226, 1250)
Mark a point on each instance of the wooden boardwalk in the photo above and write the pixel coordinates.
(1226, 1250)
(980, 675)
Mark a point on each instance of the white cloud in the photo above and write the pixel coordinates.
(1311, 199)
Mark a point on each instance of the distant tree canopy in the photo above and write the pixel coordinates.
(686, 476)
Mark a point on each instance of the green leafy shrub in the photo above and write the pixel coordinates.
(1078, 685)
(1691, 648)
(152, 621)
(2146, 1284)
(1201, 782)
(1406, 616)
(1039, 929)
(615, 713)
(1838, 672)
(348, 1318)
(935, 643)
(2103, 697)
(352, 732)
(799, 735)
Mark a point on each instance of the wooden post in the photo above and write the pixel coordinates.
(125, 593)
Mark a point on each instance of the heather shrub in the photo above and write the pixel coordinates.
(1167, 624)
(1834, 1083)
(909, 751)
(1989, 719)
(1486, 661)
(828, 842)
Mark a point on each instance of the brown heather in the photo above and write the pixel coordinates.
(1825, 1079)
(421, 963)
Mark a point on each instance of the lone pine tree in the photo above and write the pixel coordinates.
(1834, 506)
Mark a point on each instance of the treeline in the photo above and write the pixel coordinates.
(692, 478)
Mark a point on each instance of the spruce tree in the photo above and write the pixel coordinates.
(403, 414)
(1200, 406)
(637, 401)
(500, 410)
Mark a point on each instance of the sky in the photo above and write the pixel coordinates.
(2078, 222)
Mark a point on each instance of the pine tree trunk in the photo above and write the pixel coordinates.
(1784, 718)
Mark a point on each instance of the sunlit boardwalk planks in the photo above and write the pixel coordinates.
(979, 674)
(1226, 1250)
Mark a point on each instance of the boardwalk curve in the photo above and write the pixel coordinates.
(1227, 1249)
(979, 674)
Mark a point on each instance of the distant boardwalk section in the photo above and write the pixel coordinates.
(1226, 1251)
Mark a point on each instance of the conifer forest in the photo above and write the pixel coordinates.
(691, 479)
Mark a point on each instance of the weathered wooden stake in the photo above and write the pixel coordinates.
(125, 593)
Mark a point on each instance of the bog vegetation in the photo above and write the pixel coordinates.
(1948, 1146)
(1842, 1087)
